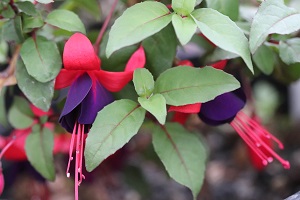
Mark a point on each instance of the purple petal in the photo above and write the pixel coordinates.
(97, 98)
(78, 91)
(223, 108)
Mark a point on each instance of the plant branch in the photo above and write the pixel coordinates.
(101, 33)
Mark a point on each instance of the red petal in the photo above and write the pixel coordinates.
(190, 108)
(115, 81)
(66, 77)
(219, 65)
(39, 113)
(79, 54)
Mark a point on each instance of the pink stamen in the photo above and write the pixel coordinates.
(77, 140)
(250, 131)
(71, 150)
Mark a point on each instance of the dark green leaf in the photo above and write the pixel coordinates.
(186, 85)
(3, 51)
(160, 50)
(184, 28)
(137, 23)
(143, 82)
(8, 12)
(289, 50)
(40, 94)
(265, 59)
(3, 112)
(272, 17)
(11, 30)
(223, 32)
(26, 7)
(32, 22)
(182, 154)
(128, 92)
(92, 6)
(114, 126)
(228, 7)
(41, 58)
(118, 60)
(183, 7)
(19, 114)
(156, 105)
(39, 148)
(66, 20)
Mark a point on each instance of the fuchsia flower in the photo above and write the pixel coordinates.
(89, 92)
(226, 108)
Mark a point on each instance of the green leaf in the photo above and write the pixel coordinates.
(156, 105)
(40, 94)
(32, 22)
(184, 28)
(272, 17)
(183, 7)
(143, 82)
(182, 154)
(39, 147)
(289, 50)
(92, 6)
(20, 115)
(220, 54)
(114, 126)
(3, 52)
(3, 112)
(65, 20)
(265, 59)
(137, 23)
(228, 7)
(8, 12)
(186, 85)
(41, 58)
(119, 58)
(26, 7)
(223, 32)
(12, 30)
(160, 50)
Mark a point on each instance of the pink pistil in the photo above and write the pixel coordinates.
(251, 132)
(77, 141)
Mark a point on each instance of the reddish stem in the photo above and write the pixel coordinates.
(101, 33)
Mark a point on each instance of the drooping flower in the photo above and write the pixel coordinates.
(90, 91)
(226, 108)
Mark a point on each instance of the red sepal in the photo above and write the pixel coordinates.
(66, 77)
(79, 54)
(190, 108)
(185, 62)
(219, 65)
(115, 81)
(180, 117)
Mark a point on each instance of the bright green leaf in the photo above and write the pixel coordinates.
(19, 114)
(160, 50)
(228, 7)
(3, 52)
(186, 85)
(223, 32)
(156, 105)
(39, 147)
(41, 58)
(182, 154)
(114, 126)
(184, 28)
(65, 20)
(183, 7)
(26, 7)
(137, 23)
(143, 82)
(265, 59)
(40, 94)
(272, 17)
(289, 50)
